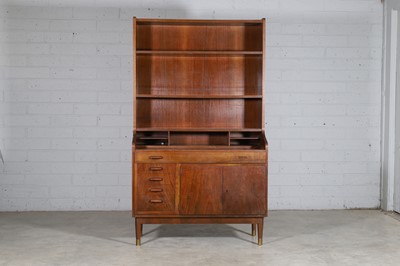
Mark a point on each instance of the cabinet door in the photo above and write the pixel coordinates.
(244, 190)
(200, 189)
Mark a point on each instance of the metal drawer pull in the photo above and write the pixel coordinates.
(155, 201)
(156, 179)
(155, 190)
(154, 157)
(155, 168)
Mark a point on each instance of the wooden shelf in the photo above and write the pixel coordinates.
(197, 147)
(191, 129)
(183, 52)
(199, 75)
(163, 138)
(244, 138)
(199, 96)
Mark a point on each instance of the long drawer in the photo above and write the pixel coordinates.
(202, 156)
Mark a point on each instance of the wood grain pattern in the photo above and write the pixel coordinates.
(199, 150)
(209, 22)
(243, 189)
(199, 75)
(264, 43)
(201, 220)
(194, 52)
(202, 156)
(199, 138)
(220, 189)
(194, 113)
(155, 187)
(200, 190)
(199, 37)
(134, 62)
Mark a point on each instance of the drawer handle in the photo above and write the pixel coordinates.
(155, 201)
(156, 179)
(155, 168)
(154, 157)
(155, 190)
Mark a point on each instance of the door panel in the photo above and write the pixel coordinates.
(244, 190)
(200, 189)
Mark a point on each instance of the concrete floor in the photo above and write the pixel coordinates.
(362, 237)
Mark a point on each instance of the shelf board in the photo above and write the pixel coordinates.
(181, 52)
(152, 138)
(200, 147)
(244, 138)
(191, 129)
(199, 96)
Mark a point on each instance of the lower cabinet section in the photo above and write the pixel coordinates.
(199, 193)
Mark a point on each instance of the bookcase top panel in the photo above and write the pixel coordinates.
(144, 21)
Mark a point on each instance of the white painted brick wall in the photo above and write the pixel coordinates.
(66, 99)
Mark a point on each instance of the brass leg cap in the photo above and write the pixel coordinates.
(260, 242)
(137, 242)
(253, 233)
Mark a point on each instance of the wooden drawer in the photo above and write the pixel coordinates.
(200, 156)
(163, 201)
(155, 187)
(147, 170)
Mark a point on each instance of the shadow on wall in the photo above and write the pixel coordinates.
(66, 104)
(46, 54)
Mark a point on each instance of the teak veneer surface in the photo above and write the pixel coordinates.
(199, 152)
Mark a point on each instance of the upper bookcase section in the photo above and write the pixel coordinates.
(199, 35)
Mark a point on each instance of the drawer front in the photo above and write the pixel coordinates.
(200, 156)
(158, 175)
(156, 201)
(155, 187)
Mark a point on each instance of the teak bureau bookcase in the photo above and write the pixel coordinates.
(199, 151)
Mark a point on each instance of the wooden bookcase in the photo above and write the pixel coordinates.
(199, 151)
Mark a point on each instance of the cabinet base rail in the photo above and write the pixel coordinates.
(256, 222)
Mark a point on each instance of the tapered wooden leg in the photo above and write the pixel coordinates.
(138, 229)
(253, 229)
(260, 227)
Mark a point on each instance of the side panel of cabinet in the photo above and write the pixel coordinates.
(244, 190)
(200, 189)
